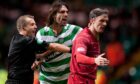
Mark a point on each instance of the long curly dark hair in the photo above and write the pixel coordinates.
(53, 10)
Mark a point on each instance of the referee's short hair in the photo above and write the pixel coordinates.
(21, 21)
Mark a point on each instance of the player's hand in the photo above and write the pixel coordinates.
(101, 61)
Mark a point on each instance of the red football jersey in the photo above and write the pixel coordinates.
(85, 49)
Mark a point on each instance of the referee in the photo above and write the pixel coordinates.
(22, 51)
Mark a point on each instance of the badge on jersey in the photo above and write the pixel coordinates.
(81, 49)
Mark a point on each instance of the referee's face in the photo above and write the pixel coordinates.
(62, 16)
(31, 27)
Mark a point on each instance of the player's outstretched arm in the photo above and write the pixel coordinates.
(59, 47)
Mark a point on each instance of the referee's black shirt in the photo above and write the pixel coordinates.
(21, 56)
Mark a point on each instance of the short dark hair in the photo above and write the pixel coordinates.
(53, 10)
(21, 21)
(97, 12)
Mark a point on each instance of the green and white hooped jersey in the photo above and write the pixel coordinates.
(56, 69)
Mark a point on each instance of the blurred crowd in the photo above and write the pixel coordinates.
(120, 40)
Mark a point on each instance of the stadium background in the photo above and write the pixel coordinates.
(120, 40)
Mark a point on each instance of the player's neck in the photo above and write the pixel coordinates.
(92, 30)
(96, 34)
(57, 28)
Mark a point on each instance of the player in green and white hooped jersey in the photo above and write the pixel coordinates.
(55, 69)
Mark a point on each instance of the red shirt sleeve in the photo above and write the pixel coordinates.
(81, 50)
(84, 59)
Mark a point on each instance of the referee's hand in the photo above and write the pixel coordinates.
(36, 64)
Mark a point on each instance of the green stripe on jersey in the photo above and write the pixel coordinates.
(56, 73)
(43, 79)
(54, 64)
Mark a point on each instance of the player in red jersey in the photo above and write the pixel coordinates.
(86, 52)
